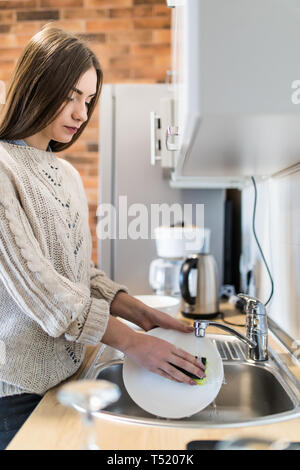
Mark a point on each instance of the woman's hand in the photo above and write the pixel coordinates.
(155, 354)
(152, 318)
(158, 355)
(132, 309)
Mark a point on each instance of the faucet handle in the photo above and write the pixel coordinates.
(200, 327)
(253, 306)
(256, 327)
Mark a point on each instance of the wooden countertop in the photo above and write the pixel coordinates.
(54, 427)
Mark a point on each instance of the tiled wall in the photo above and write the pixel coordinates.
(130, 37)
(278, 230)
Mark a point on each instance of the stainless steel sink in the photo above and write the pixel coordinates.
(252, 394)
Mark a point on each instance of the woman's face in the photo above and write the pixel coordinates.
(74, 113)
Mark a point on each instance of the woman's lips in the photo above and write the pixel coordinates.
(72, 130)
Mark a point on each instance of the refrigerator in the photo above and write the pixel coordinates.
(128, 182)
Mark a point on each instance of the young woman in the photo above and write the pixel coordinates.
(53, 300)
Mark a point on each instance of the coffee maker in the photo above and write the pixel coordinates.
(204, 304)
(164, 276)
(172, 244)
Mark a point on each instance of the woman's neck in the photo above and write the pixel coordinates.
(37, 141)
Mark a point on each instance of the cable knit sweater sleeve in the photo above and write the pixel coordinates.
(102, 286)
(59, 305)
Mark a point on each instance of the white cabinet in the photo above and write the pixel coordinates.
(235, 64)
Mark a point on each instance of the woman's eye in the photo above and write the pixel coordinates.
(72, 99)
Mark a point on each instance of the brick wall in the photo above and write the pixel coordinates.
(130, 37)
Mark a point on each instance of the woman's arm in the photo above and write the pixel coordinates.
(132, 309)
(59, 305)
(102, 287)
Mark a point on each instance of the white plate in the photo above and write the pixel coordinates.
(165, 398)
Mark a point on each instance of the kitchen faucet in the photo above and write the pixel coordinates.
(256, 338)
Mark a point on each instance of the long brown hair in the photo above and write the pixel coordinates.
(50, 66)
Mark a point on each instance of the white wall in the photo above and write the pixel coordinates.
(278, 230)
(125, 170)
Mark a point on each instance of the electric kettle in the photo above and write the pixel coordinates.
(205, 304)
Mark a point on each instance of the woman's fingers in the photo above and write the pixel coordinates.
(166, 321)
(174, 324)
(169, 322)
(189, 358)
(167, 376)
(186, 367)
(172, 357)
(187, 362)
(162, 357)
(174, 374)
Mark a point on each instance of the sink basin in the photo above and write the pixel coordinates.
(252, 394)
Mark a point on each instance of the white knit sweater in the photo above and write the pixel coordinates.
(52, 299)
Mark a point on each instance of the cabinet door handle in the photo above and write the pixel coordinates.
(155, 143)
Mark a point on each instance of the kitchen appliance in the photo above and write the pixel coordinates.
(205, 303)
(173, 245)
(180, 240)
(164, 276)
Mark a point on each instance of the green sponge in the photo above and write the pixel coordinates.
(202, 381)
(193, 376)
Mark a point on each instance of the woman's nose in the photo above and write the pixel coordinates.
(80, 112)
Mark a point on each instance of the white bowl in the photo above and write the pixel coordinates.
(163, 303)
